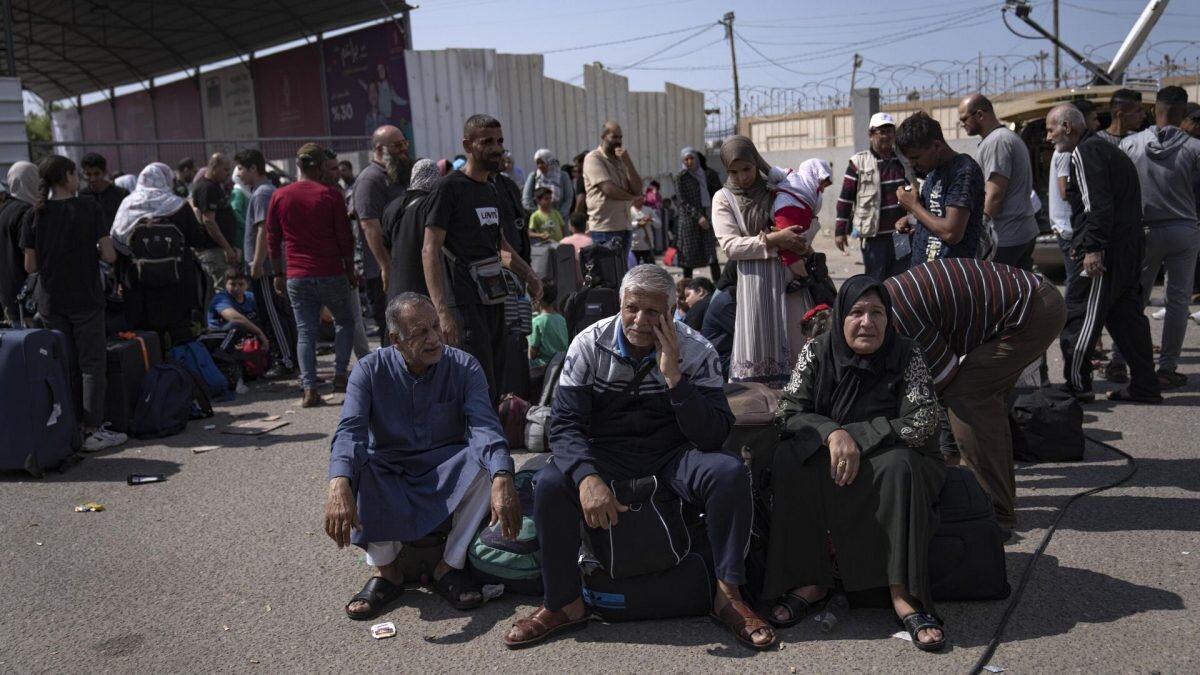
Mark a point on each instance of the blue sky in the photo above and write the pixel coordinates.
(810, 42)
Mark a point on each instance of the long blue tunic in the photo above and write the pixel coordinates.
(412, 446)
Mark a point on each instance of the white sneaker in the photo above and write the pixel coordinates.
(1196, 317)
(1160, 314)
(102, 439)
(241, 388)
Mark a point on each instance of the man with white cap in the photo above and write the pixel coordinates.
(868, 202)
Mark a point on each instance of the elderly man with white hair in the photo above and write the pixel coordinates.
(1107, 237)
(640, 395)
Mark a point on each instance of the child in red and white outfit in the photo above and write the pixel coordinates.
(797, 203)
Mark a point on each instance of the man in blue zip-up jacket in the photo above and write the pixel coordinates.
(640, 395)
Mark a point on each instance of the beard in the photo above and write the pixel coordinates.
(399, 169)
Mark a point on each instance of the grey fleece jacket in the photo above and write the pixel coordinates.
(1167, 160)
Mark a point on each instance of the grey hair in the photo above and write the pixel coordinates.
(400, 303)
(652, 279)
(1067, 112)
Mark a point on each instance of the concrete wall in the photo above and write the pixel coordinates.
(14, 144)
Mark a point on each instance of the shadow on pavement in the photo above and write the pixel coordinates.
(1070, 596)
(99, 468)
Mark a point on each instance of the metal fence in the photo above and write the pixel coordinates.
(132, 156)
(991, 77)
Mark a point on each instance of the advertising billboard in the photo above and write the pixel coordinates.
(366, 81)
(287, 87)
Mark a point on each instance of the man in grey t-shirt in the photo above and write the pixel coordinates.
(380, 181)
(1009, 182)
(275, 311)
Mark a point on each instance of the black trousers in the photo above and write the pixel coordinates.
(378, 300)
(1113, 301)
(1020, 256)
(482, 334)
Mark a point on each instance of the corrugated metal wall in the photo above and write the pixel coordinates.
(540, 112)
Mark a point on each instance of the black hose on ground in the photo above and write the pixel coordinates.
(994, 643)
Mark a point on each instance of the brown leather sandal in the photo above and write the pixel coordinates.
(539, 626)
(743, 622)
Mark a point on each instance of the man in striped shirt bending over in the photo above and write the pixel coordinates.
(979, 325)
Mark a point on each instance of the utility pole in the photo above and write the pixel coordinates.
(1057, 51)
(727, 21)
(858, 61)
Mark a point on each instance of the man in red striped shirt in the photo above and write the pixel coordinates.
(979, 325)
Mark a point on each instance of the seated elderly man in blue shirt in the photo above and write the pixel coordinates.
(417, 442)
(640, 395)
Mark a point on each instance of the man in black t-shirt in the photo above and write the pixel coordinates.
(185, 173)
(99, 187)
(463, 229)
(220, 225)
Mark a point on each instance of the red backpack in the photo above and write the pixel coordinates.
(255, 360)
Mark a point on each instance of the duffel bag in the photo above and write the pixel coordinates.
(1047, 426)
(966, 554)
(685, 589)
(754, 435)
(650, 537)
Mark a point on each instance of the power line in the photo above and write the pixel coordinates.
(669, 47)
(621, 42)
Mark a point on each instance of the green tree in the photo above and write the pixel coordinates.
(38, 132)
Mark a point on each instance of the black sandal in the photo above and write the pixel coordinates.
(454, 584)
(797, 608)
(918, 621)
(378, 593)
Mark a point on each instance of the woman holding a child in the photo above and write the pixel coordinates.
(758, 218)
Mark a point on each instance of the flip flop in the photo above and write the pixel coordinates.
(743, 622)
(453, 584)
(797, 608)
(378, 593)
(542, 625)
(918, 621)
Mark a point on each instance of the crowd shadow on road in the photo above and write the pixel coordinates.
(99, 468)
(1070, 596)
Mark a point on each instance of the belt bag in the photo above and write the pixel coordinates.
(650, 537)
(488, 277)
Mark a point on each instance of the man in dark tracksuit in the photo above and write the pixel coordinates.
(1106, 215)
(640, 395)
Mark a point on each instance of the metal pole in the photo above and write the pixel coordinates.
(11, 51)
(737, 92)
(1057, 51)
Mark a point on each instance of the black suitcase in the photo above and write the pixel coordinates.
(754, 435)
(564, 270)
(37, 410)
(126, 368)
(966, 555)
(589, 305)
(604, 264)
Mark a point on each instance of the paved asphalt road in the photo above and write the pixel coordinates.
(224, 567)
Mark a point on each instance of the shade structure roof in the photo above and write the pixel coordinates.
(64, 48)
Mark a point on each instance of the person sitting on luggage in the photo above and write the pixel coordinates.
(418, 440)
(977, 340)
(639, 395)
(545, 224)
(64, 238)
(699, 296)
(860, 462)
(549, 334)
(235, 311)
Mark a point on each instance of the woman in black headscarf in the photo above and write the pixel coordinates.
(859, 461)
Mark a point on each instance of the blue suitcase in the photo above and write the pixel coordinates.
(36, 409)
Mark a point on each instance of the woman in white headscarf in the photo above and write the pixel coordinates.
(165, 309)
(18, 196)
(404, 230)
(549, 175)
(126, 181)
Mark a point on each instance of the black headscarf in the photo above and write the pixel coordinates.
(844, 375)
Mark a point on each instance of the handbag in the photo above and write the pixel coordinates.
(650, 537)
(487, 275)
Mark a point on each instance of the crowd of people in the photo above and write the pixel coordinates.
(910, 370)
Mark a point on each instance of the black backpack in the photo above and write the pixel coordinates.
(589, 305)
(171, 396)
(157, 250)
